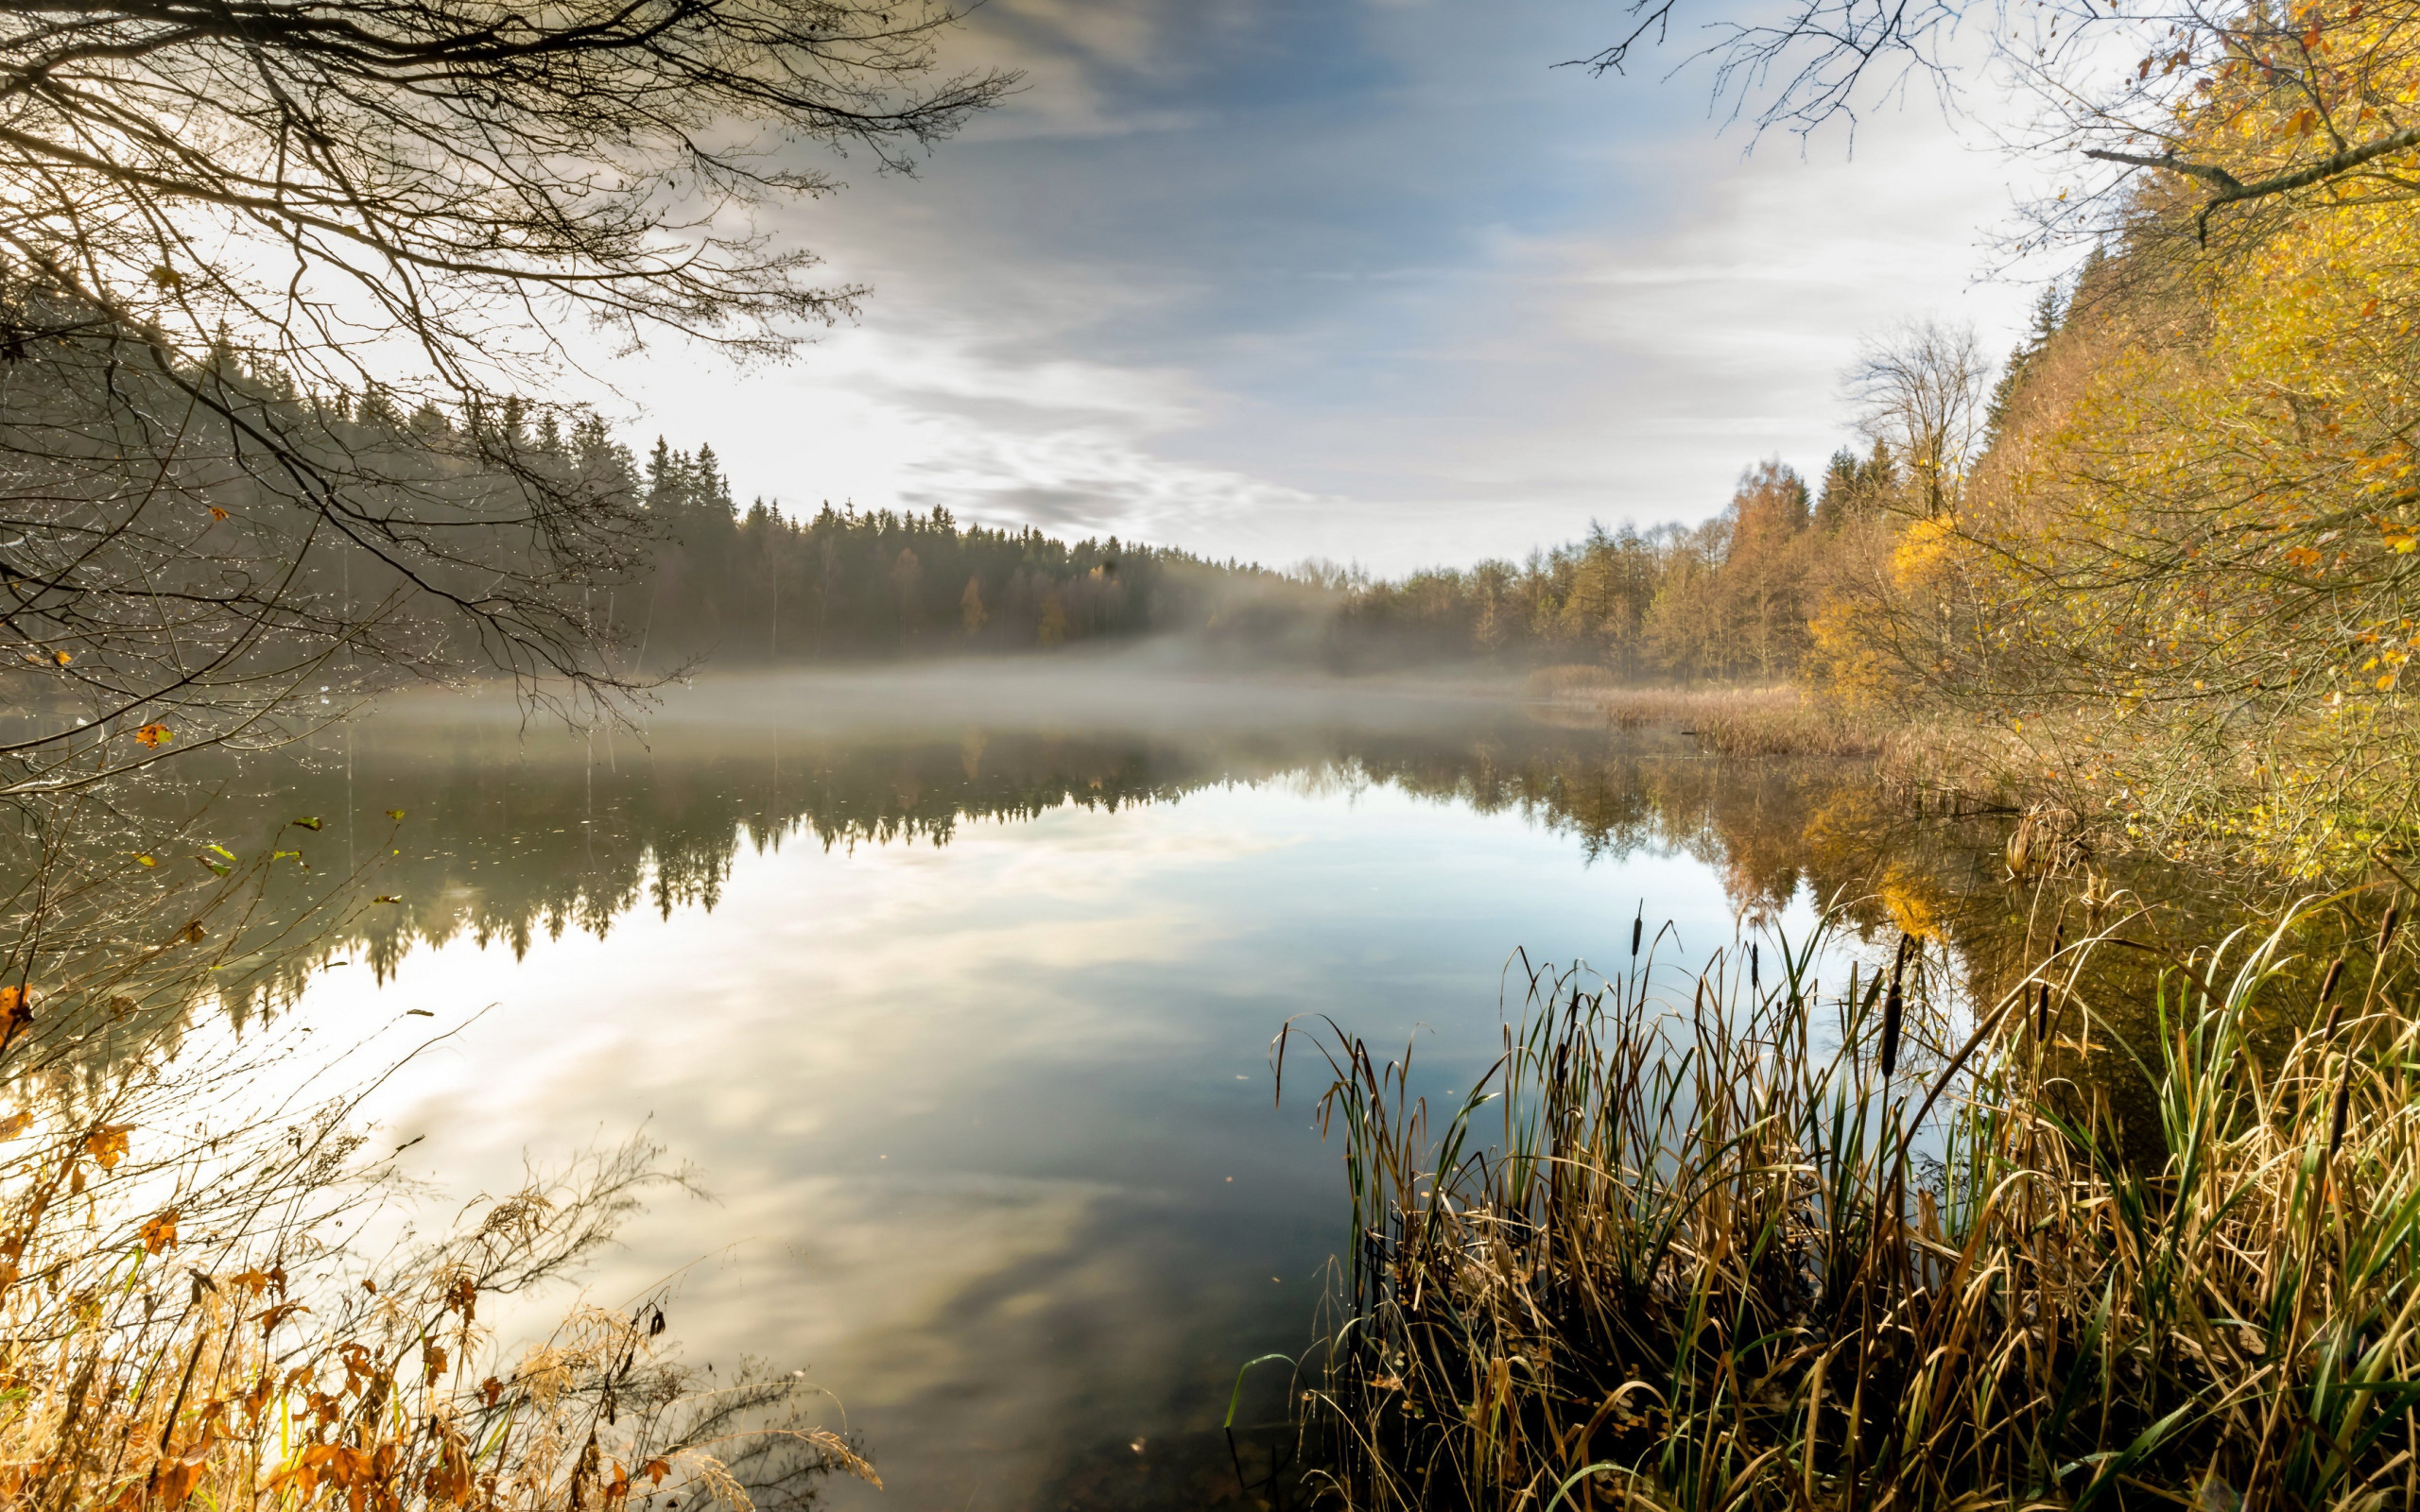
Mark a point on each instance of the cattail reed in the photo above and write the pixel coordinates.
(2341, 1109)
(1739, 1292)
(1894, 1005)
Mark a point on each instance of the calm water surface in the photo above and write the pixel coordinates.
(959, 1000)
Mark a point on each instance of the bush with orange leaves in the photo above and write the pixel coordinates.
(189, 1311)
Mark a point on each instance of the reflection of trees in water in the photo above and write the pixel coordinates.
(504, 840)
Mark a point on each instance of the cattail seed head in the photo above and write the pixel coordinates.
(2327, 1002)
(1893, 1002)
(2343, 1106)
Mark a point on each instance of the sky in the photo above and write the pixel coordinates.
(1367, 281)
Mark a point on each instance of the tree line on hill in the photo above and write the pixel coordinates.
(759, 585)
(1725, 600)
(1728, 600)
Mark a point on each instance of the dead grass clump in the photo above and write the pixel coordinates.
(1806, 728)
(180, 1318)
(1941, 768)
(1763, 1246)
(1571, 680)
(1768, 721)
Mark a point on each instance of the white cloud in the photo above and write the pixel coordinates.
(1392, 291)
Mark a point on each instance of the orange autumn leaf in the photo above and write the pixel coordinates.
(359, 1471)
(107, 1144)
(216, 513)
(174, 1480)
(155, 734)
(269, 1318)
(15, 1123)
(159, 1232)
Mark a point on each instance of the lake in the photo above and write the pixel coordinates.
(957, 991)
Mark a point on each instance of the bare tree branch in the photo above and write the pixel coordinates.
(274, 277)
(2235, 191)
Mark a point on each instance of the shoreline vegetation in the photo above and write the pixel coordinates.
(216, 1289)
(1789, 1232)
(1768, 721)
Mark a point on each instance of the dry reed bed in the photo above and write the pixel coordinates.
(1757, 721)
(1700, 1258)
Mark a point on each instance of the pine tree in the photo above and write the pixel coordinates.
(2049, 313)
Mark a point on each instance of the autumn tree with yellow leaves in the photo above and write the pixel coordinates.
(2182, 582)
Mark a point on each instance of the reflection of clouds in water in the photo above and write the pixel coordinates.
(838, 969)
(970, 1112)
(927, 1304)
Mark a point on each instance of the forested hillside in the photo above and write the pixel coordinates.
(1728, 600)
(761, 585)
(2179, 588)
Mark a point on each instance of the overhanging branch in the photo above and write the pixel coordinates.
(2232, 190)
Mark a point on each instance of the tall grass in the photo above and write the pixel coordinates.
(1729, 721)
(1762, 1243)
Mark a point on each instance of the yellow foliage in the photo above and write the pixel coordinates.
(1902, 894)
(1923, 549)
(2185, 568)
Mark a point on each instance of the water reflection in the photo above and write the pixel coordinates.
(963, 1013)
(511, 835)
